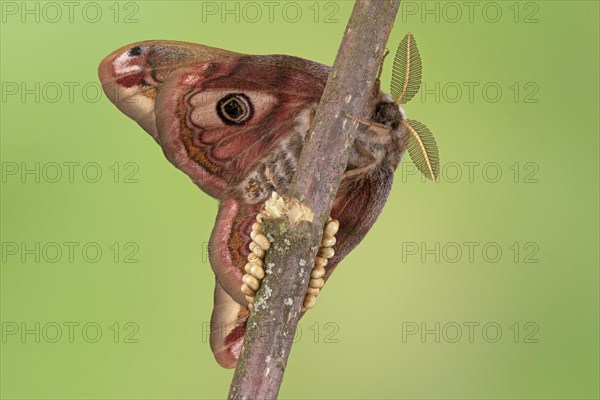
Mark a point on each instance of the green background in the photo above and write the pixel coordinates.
(356, 343)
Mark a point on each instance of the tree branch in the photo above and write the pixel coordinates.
(349, 91)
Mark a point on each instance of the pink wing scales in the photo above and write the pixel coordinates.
(199, 143)
(229, 244)
(228, 252)
(132, 75)
(227, 328)
(167, 86)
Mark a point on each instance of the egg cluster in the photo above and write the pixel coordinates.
(255, 270)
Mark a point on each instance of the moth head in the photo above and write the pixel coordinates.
(387, 112)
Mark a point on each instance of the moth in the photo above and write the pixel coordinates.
(236, 125)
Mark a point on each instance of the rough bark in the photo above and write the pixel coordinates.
(349, 92)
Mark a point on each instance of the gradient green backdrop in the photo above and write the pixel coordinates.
(358, 343)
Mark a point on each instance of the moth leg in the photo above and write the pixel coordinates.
(377, 86)
(260, 244)
(365, 152)
(318, 272)
(383, 131)
(358, 171)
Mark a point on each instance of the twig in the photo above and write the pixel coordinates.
(349, 92)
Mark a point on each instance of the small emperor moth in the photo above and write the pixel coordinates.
(236, 124)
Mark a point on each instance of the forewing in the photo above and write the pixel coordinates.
(132, 75)
(172, 89)
(218, 154)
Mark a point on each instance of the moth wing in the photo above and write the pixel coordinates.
(357, 206)
(227, 328)
(132, 75)
(229, 244)
(228, 252)
(172, 89)
(215, 152)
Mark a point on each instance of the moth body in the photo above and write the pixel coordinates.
(372, 150)
(236, 124)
